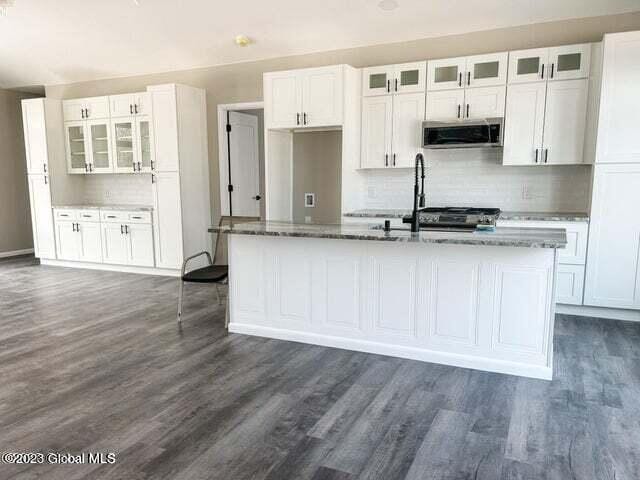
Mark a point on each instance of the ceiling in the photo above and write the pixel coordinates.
(44, 42)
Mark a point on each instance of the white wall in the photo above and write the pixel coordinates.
(477, 178)
(117, 189)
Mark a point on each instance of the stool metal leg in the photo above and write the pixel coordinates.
(180, 291)
(218, 293)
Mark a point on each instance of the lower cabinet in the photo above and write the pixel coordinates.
(570, 284)
(79, 241)
(41, 219)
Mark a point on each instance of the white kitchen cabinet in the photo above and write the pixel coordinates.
(76, 147)
(445, 105)
(484, 102)
(133, 144)
(524, 124)
(44, 245)
(130, 104)
(140, 244)
(67, 241)
(90, 241)
(613, 258)
(77, 240)
(391, 130)
(556, 63)
(377, 131)
(618, 138)
(85, 108)
(565, 122)
(304, 98)
(446, 73)
(392, 79)
(408, 114)
(570, 284)
(168, 220)
(545, 123)
(35, 136)
(114, 244)
(98, 147)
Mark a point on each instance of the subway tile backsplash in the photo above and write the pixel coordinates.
(118, 189)
(477, 178)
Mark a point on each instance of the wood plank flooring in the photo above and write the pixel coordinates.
(94, 362)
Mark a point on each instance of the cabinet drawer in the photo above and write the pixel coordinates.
(577, 232)
(89, 215)
(66, 214)
(139, 217)
(570, 284)
(114, 216)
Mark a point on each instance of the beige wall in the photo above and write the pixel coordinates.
(15, 216)
(243, 82)
(317, 169)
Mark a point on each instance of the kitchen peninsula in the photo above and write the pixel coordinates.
(480, 300)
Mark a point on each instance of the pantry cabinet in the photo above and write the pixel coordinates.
(391, 130)
(44, 245)
(392, 79)
(463, 72)
(550, 64)
(305, 98)
(35, 136)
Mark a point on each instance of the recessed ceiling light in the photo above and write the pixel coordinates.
(242, 40)
(388, 5)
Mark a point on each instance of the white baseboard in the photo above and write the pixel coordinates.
(599, 312)
(112, 268)
(16, 253)
(411, 353)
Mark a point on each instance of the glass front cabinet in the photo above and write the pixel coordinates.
(568, 62)
(132, 145)
(394, 79)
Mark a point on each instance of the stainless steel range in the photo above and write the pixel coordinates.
(456, 218)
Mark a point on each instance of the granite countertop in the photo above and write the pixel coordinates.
(502, 236)
(531, 216)
(134, 208)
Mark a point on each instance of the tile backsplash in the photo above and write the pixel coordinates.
(477, 178)
(118, 189)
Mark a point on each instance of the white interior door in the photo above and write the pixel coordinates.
(445, 105)
(484, 102)
(245, 167)
(565, 121)
(524, 124)
(41, 217)
(408, 114)
(377, 119)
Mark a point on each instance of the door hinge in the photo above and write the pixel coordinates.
(230, 188)
(228, 127)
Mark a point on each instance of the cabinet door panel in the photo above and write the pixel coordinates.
(570, 284)
(322, 98)
(124, 145)
(142, 105)
(528, 65)
(446, 74)
(377, 118)
(167, 220)
(484, 102)
(565, 122)
(97, 108)
(613, 257)
(41, 217)
(410, 77)
(377, 80)
(283, 99)
(76, 147)
(408, 114)
(569, 62)
(114, 244)
(73, 110)
(445, 106)
(486, 70)
(524, 124)
(67, 241)
(99, 142)
(90, 242)
(122, 105)
(165, 129)
(618, 139)
(140, 245)
(35, 136)
(144, 143)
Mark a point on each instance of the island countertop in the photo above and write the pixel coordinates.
(501, 236)
(505, 215)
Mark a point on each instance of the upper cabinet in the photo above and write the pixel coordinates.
(392, 79)
(35, 135)
(463, 72)
(618, 138)
(305, 98)
(567, 62)
(109, 134)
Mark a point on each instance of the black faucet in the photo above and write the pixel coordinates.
(418, 198)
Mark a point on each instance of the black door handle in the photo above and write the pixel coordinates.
(257, 197)
(304, 118)
(542, 76)
(121, 229)
(536, 155)
(386, 159)
(552, 66)
(460, 79)
(468, 78)
(396, 84)
(388, 86)
(135, 108)
(297, 119)
(131, 109)
(467, 110)
(546, 155)
(458, 111)
(394, 159)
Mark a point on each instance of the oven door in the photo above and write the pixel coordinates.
(468, 134)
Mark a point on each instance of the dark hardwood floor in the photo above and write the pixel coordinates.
(94, 362)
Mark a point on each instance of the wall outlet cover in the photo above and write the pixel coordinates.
(309, 200)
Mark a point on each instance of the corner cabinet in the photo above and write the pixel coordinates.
(613, 260)
(618, 138)
(305, 98)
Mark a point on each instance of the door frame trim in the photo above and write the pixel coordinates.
(222, 143)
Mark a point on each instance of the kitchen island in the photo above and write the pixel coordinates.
(482, 300)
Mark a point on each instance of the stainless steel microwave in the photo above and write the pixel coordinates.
(483, 133)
